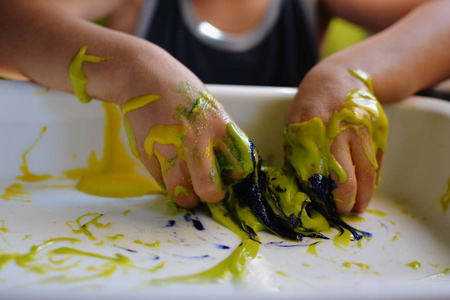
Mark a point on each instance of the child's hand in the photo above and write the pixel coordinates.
(188, 143)
(337, 128)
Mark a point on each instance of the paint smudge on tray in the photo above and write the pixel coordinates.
(15, 192)
(28, 176)
(196, 222)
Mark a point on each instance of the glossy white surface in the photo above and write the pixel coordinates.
(414, 227)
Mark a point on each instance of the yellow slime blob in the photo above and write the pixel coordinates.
(78, 77)
(27, 175)
(114, 175)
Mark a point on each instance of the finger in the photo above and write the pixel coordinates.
(380, 156)
(236, 158)
(153, 166)
(365, 170)
(176, 176)
(205, 174)
(345, 193)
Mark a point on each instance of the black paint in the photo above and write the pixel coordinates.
(218, 246)
(170, 223)
(197, 224)
(262, 197)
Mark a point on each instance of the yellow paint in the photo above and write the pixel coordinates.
(78, 77)
(54, 186)
(152, 245)
(26, 237)
(115, 237)
(84, 228)
(414, 265)
(444, 272)
(376, 212)
(166, 135)
(394, 238)
(27, 175)
(14, 192)
(445, 198)
(233, 265)
(362, 267)
(343, 239)
(45, 91)
(57, 261)
(309, 142)
(74, 173)
(180, 190)
(352, 218)
(282, 274)
(126, 212)
(133, 104)
(312, 249)
(114, 174)
(3, 229)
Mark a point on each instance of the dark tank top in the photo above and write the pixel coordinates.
(281, 57)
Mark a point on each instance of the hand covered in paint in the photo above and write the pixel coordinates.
(188, 143)
(338, 130)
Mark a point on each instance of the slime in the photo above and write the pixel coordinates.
(268, 198)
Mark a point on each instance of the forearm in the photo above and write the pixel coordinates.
(40, 42)
(374, 15)
(411, 55)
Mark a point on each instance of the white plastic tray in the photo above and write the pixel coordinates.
(406, 217)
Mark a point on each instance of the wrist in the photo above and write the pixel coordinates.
(322, 92)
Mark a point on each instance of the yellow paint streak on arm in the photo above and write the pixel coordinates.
(78, 77)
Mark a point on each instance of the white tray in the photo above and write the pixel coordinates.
(407, 219)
